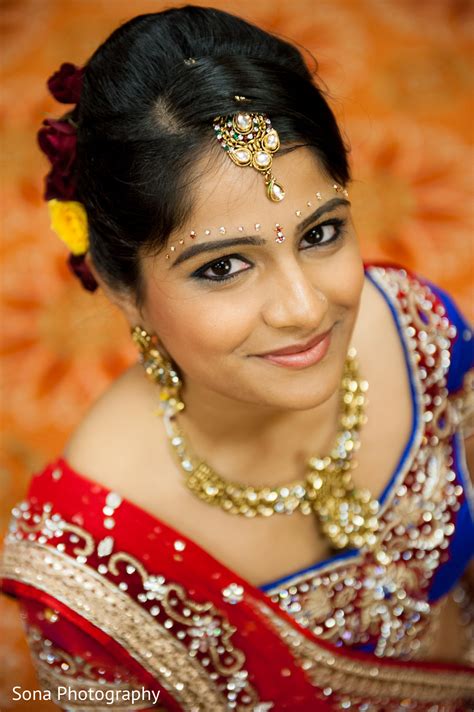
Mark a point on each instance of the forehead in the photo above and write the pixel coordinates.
(224, 193)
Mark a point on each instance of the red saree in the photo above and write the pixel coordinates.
(116, 600)
(123, 597)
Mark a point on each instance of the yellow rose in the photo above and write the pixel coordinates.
(69, 222)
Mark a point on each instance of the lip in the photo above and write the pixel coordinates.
(301, 355)
(298, 348)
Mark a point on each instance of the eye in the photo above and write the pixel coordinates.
(324, 233)
(223, 268)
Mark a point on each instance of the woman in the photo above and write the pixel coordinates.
(291, 531)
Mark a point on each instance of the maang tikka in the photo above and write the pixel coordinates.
(250, 140)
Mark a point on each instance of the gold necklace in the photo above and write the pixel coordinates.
(347, 515)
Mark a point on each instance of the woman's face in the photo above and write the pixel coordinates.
(221, 302)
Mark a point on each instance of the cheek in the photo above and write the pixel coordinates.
(344, 281)
(201, 327)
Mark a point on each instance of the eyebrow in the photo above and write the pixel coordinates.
(255, 240)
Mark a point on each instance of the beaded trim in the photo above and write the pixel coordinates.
(353, 681)
(464, 403)
(186, 645)
(462, 595)
(56, 668)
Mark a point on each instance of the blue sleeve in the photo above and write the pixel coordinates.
(462, 350)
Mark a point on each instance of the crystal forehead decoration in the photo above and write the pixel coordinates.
(223, 230)
(250, 140)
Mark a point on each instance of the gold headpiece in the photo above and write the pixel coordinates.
(250, 140)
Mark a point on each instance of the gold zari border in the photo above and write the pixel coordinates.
(463, 400)
(51, 679)
(78, 678)
(101, 603)
(368, 680)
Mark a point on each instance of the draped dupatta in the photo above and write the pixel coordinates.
(111, 592)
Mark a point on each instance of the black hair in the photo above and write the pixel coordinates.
(149, 96)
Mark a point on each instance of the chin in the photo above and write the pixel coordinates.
(304, 400)
(304, 389)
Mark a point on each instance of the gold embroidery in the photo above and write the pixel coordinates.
(198, 622)
(37, 522)
(463, 403)
(104, 605)
(367, 680)
(88, 546)
(463, 597)
(201, 628)
(122, 557)
(389, 282)
(57, 669)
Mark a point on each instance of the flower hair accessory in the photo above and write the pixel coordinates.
(69, 222)
(58, 140)
(66, 84)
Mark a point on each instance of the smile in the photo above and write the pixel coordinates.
(301, 355)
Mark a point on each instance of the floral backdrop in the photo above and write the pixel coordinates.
(399, 76)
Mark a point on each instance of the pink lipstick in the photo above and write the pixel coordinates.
(301, 355)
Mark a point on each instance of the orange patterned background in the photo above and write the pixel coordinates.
(400, 78)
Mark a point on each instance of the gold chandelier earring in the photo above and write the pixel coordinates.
(159, 369)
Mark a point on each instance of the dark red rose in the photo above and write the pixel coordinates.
(59, 186)
(65, 84)
(78, 266)
(58, 140)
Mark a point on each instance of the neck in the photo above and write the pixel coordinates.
(255, 444)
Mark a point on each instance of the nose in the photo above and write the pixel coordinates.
(294, 299)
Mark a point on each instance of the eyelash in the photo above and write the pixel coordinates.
(338, 223)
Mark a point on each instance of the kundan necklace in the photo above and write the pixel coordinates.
(347, 515)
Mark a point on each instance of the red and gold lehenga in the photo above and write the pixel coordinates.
(117, 599)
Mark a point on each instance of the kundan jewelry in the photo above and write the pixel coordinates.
(250, 140)
(159, 369)
(347, 515)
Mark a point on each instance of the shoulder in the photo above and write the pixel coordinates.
(120, 433)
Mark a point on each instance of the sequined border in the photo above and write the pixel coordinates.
(460, 450)
(52, 662)
(389, 290)
(52, 680)
(156, 650)
(346, 676)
